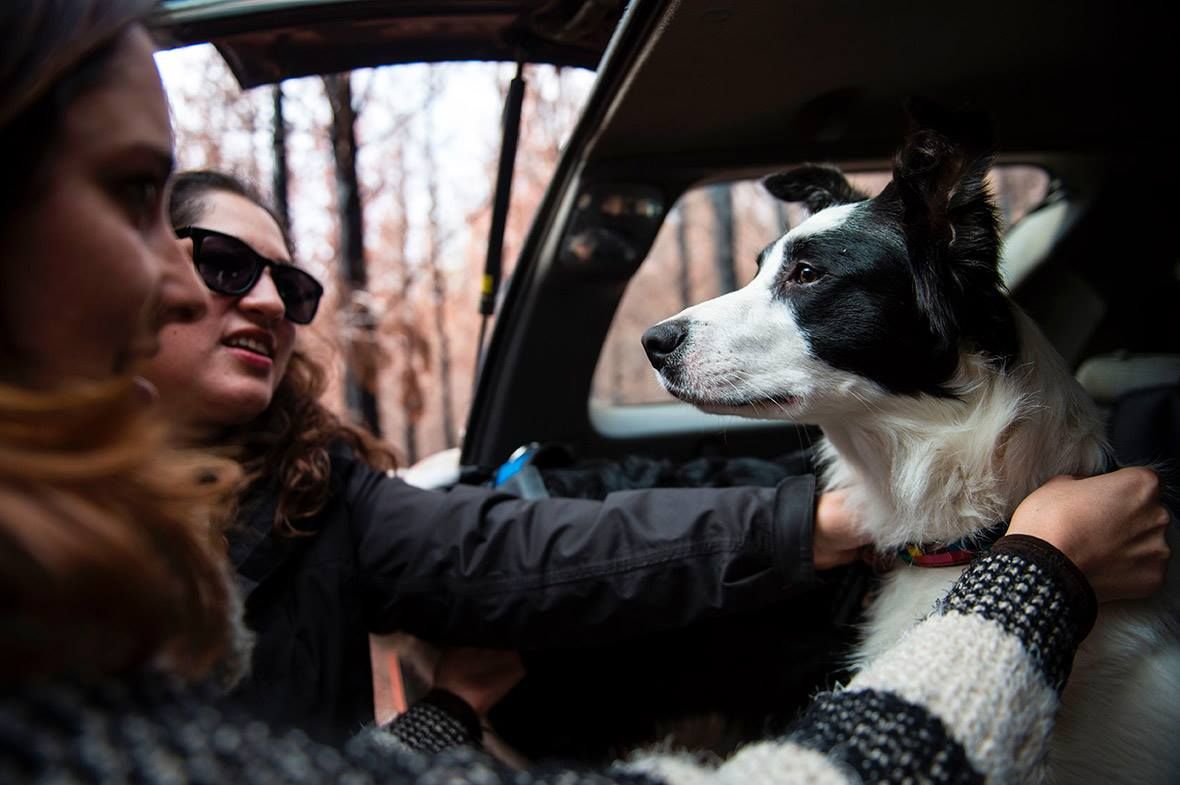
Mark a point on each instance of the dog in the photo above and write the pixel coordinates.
(884, 321)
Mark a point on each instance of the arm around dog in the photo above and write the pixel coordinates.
(476, 567)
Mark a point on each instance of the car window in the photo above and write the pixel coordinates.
(707, 247)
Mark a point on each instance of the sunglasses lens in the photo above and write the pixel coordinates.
(299, 291)
(227, 266)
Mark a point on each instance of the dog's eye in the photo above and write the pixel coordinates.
(804, 273)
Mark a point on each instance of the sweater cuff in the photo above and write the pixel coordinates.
(794, 532)
(439, 721)
(1079, 594)
(1035, 593)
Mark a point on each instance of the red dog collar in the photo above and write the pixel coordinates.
(952, 555)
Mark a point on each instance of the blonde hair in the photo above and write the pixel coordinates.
(109, 559)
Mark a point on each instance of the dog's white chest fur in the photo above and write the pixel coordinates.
(939, 473)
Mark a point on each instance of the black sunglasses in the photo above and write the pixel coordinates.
(228, 266)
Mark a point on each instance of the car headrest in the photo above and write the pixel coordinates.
(1042, 277)
(1108, 376)
(1031, 240)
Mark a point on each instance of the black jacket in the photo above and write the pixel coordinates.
(478, 567)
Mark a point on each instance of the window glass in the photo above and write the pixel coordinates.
(707, 246)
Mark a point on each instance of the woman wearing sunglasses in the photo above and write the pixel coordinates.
(114, 611)
(223, 370)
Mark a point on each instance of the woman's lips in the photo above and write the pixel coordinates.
(251, 358)
(253, 349)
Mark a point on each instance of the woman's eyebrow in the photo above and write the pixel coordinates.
(143, 154)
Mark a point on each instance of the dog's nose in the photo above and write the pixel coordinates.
(663, 339)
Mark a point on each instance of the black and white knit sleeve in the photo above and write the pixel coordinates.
(439, 721)
(967, 696)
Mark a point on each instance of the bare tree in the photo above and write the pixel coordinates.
(434, 250)
(416, 264)
(246, 110)
(279, 152)
(414, 355)
(200, 134)
(361, 383)
(784, 220)
(682, 245)
(722, 201)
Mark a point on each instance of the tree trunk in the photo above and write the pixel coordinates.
(685, 257)
(412, 346)
(616, 376)
(1003, 197)
(722, 201)
(784, 220)
(438, 280)
(247, 112)
(360, 384)
(279, 151)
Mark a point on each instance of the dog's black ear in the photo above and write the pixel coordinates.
(817, 187)
(951, 227)
(941, 168)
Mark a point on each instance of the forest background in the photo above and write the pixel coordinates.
(386, 186)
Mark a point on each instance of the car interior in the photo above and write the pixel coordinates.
(692, 93)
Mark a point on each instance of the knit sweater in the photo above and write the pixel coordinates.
(967, 696)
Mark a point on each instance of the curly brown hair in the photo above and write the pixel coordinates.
(288, 446)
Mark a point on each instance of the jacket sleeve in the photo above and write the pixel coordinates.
(477, 567)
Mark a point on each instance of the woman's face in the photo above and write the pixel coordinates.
(89, 269)
(223, 369)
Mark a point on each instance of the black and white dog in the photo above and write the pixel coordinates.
(884, 321)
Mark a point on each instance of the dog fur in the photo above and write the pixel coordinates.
(884, 322)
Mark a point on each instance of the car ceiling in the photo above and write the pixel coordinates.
(730, 81)
(265, 42)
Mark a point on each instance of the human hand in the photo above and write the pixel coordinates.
(837, 538)
(481, 677)
(1111, 526)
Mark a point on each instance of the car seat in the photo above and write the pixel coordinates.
(1141, 395)
(1066, 306)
